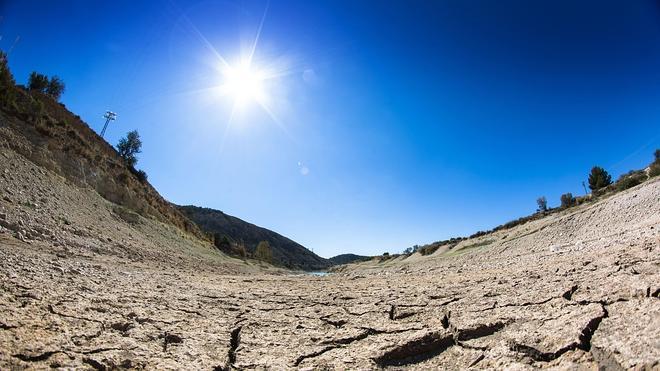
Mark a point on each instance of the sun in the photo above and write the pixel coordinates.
(245, 83)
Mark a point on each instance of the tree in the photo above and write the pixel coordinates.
(141, 175)
(567, 200)
(264, 252)
(129, 147)
(542, 203)
(599, 178)
(221, 241)
(655, 166)
(55, 87)
(630, 179)
(6, 82)
(240, 250)
(37, 82)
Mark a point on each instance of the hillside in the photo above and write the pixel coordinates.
(346, 258)
(286, 252)
(45, 132)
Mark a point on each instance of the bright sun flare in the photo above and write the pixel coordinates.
(244, 83)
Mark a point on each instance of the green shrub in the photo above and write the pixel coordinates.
(221, 242)
(141, 175)
(542, 204)
(599, 178)
(37, 82)
(7, 84)
(129, 147)
(567, 200)
(630, 180)
(55, 87)
(429, 249)
(478, 234)
(654, 170)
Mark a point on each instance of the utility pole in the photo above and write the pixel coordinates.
(109, 116)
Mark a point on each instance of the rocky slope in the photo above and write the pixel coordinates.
(286, 252)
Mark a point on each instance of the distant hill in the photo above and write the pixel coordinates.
(286, 252)
(346, 258)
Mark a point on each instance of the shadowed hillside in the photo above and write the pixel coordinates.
(286, 252)
(347, 258)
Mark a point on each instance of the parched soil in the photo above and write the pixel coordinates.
(84, 287)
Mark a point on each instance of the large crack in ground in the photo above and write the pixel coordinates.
(415, 351)
(433, 344)
(583, 343)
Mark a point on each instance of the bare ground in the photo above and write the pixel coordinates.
(87, 285)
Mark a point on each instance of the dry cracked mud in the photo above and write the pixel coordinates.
(575, 290)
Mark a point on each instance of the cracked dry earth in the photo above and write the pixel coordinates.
(576, 290)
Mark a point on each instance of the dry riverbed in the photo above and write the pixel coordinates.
(578, 289)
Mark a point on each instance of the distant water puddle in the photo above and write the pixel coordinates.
(319, 274)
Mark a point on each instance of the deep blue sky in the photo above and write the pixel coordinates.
(396, 123)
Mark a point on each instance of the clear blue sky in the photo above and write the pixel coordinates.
(391, 124)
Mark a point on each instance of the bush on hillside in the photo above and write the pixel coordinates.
(567, 200)
(129, 147)
(141, 175)
(478, 234)
(37, 82)
(542, 204)
(411, 250)
(264, 252)
(53, 87)
(599, 178)
(6, 82)
(630, 180)
(240, 250)
(428, 250)
(654, 169)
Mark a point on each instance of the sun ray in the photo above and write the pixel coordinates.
(205, 41)
(264, 105)
(256, 38)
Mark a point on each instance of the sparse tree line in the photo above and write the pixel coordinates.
(600, 184)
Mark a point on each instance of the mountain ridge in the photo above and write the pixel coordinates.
(286, 252)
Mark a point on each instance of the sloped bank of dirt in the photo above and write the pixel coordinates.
(85, 287)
